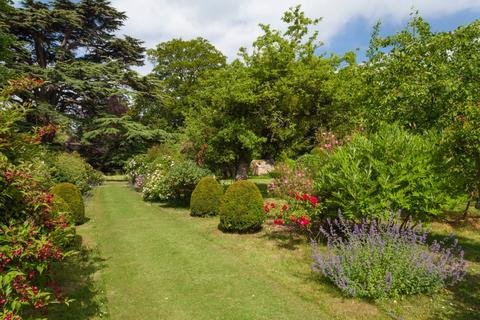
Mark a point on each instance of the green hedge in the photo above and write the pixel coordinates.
(73, 197)
(241, 208)
(206, 197)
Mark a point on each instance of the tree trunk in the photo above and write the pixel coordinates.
(465, 213)
(242, 171)
(242, 168)
(40, 52)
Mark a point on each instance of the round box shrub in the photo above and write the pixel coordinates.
(60, 206)
(241, 208)
(73, 197)
(206, 198)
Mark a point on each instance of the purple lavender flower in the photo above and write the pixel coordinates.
(384, 259)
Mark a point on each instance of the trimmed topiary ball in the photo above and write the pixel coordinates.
(60, 206)
(206, 198)
(241, 208)
(73, 197)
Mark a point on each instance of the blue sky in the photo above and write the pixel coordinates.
(231, 24)
(356, 33)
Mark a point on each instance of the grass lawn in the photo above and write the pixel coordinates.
(148, 261)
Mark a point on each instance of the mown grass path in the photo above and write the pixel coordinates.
(158, 262)
(163, 264)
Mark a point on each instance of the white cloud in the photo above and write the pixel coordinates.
(231, 24)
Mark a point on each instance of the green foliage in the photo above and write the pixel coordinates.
(241, 208)
(206, 197)
(73, 197)
(72, 46)
(176, 184)
(416, 76)
(112, 140)
(387, 171)
(268, 103)
(70, 167)
(461, 146)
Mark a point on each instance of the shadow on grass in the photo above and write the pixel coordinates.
(466, 299)
(263, 187)
(284, 238)
(78, 278)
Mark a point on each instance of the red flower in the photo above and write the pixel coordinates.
(284, 207)
(266, 208)
(278, 221)
(305, 197)
(293, 218)
(303, 221)
(272, 205)
(313, 201)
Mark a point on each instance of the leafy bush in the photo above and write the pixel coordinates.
(26, 254)
(241, 207)
(34, 232)
(177, 183)
(387, 171)
(377, 260)
(72, 168)
(206, 197)
(73, 197)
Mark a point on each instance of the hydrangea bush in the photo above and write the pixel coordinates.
(177, 183)
(385, 259)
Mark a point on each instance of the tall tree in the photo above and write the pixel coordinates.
(178, 64)
(272, 101)
(72, 46)
(6, 40)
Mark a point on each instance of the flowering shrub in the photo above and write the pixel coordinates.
(34, 230)
(377, 260)
(301, 210)
(158, 158)
(26, 255)
(177, 183)
(288, 179)
(45, 134)
(327, 141)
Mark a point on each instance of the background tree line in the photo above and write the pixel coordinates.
(271, 102)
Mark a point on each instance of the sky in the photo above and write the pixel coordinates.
(231, 24)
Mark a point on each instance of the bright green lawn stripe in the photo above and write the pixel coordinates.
(163, 264)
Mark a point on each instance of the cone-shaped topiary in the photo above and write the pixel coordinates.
(206, 198)
(241, 208)
(73, 197)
